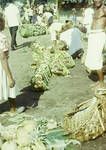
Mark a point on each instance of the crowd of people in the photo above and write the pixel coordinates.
(38, 13)
(93, 24)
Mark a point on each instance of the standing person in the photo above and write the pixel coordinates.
(48, 18)
(7, 90)
(7, 83)
(54, 28)
(12, 16)
(74, 16)
(40, 9)
(96, 41)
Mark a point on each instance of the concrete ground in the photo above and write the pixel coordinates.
(64, 92)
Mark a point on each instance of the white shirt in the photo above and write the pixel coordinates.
(40, 9)
(72, 37)
(56, 26)
(12, 15)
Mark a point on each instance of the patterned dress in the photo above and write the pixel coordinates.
(5, 90)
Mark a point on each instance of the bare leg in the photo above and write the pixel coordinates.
(12, 103)
(101, 77)
(54, 42)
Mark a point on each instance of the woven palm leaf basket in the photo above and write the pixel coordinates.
(88, 121)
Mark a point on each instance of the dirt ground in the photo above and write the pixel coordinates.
(63, 94)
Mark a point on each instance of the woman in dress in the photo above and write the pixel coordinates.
(7, 83)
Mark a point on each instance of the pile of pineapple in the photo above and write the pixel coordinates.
(48, 62)
(25, 132)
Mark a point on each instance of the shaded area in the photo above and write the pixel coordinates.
(93, 76)
(25, 44)
(28, 98)
(4, 107)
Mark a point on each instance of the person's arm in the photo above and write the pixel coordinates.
(5, 65)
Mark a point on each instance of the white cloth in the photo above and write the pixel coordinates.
(56, 26)
(72, 37)
(12, 15)
(66, 37)
(5, 91)
(96, 43)
(88, 18)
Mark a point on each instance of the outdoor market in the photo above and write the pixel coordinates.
(52, 75)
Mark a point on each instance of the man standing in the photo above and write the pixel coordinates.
(96, 42)
(12, 16)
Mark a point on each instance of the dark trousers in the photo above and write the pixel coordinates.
(13, 32)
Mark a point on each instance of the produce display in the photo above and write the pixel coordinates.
(61, 63)
(48, 62)
(28, 30)
(41, 78)
(25, 132)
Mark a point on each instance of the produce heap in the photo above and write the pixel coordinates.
(48, 62)
(28, 30)
(24, 132)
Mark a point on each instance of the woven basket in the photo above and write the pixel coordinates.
(87, 121)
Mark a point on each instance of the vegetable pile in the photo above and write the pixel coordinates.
(48, 62)
(24, 132)
(28, 30)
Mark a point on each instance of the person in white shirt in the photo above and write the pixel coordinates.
(53, 29)
(72, 37)
(40, 9)
(48, 18)
(12, 15)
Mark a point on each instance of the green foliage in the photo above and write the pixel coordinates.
(28, 30)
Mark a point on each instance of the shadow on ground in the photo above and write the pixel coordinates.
(25, 44)
(28, 98)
